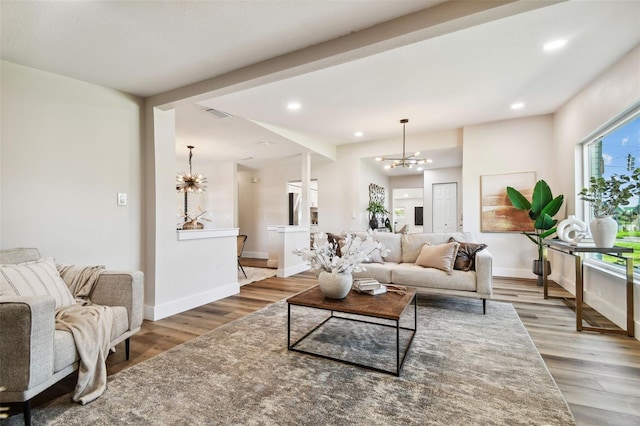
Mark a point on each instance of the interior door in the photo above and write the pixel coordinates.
(445, 207)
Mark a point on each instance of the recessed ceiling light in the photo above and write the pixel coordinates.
(294, 106)
(420, 169)
(429, 160)
(265, 143)
(358, 134)
(555, 44)
(517, 105)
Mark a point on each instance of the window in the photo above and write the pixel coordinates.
(616, 150)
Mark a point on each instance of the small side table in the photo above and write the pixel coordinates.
(577, 252)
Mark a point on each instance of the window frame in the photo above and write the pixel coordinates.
(629, 114)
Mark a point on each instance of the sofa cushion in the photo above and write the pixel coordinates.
(417, 276)
(37, 278)
(465, 259)
(441, 256)
(377, 271)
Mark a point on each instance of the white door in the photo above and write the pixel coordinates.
(445, 207)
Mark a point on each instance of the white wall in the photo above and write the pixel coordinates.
(219, 199)
(604, 98)
(68, 147)
(518, 145)
(186, 274)
(264, 203)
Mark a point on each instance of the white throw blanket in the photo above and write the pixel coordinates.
(91, 328)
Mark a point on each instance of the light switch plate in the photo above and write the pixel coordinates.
(122, 199)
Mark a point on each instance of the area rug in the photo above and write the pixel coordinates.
(254, 274)
(463, 368)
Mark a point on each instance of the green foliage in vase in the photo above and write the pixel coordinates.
(606, 195)
(375, 207)
(541, 209)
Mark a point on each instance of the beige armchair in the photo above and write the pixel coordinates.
(33, 354)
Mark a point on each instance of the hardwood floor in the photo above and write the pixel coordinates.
(599, 374)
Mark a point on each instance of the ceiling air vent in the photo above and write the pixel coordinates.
(220, 114)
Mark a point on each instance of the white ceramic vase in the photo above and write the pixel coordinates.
(334, 286)
(604, 230)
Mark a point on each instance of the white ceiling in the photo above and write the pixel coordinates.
(457, 78)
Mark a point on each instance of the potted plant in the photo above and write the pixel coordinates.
(605, 196)
(376, 210)
(542, 207)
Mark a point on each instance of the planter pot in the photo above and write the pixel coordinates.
(537, 269)
(604, 230)
(334, 286)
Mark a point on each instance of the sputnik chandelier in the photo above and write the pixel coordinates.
(406, 160)
(191, 183)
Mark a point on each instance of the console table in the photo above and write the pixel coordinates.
(577, 252)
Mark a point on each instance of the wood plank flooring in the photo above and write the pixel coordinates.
(599, 374)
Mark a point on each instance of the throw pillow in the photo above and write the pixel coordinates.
(373, 252)
(336, 240)
(441, 256)
(466, 257)
(37, 278)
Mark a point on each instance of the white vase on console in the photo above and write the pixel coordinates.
(604, 230)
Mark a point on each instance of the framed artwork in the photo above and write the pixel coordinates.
(497, 213)
(399, 212)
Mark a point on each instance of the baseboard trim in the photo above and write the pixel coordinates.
(157, 312)
(255, 254)
(287, 272)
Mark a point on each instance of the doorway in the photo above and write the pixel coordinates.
(295, 194)
(445, 207)
(407, 209)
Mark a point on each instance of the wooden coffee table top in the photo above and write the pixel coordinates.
(388, 305)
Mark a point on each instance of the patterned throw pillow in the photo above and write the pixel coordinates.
(441, 256)
(465, 260)
(37, 278)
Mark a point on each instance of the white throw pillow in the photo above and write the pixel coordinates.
(37, 278)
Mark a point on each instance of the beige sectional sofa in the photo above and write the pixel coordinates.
(400, 266)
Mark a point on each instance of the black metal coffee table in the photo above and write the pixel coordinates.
(387, 306)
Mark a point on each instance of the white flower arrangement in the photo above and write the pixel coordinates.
(352, 252)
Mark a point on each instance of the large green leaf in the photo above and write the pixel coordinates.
(541, 197)
(553, 206)
(544, 221)
(517, 199)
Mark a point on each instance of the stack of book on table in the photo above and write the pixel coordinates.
(368, 286)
